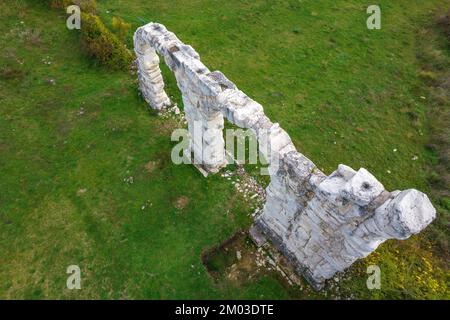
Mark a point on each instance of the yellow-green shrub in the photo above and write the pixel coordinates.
(122, 28)
(100, 43)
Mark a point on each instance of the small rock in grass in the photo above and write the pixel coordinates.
(81, 192)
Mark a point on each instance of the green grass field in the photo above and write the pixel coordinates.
(72, 133)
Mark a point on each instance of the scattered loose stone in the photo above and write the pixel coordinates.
(129, 180)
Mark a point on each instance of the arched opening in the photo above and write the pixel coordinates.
(151, 82)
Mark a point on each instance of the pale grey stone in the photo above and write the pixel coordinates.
(362, 188)
(323, 224)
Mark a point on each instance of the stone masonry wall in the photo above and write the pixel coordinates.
(321, 223)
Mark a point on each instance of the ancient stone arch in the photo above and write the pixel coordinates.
(321, 223)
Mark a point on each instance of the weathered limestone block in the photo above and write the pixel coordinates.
(240, 109)
(362, 188)
(343, 218)
(150, 79)
(321, 223)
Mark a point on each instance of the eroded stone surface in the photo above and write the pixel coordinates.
(322, 224)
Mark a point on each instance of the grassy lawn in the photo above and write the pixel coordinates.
(86, 172)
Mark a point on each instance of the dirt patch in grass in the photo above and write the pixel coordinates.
(151, 166)
(181, 202)
(236, 260)
(32, 37)
(10, 72)
(166, 126)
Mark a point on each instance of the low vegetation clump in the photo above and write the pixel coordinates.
(97, 40)
(100, 43)
(121, 27)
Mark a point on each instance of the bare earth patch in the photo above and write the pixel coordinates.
(151, 166)
(181, 202)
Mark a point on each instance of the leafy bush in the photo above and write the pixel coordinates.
(100, 43)
(96, 39)
(122, 28)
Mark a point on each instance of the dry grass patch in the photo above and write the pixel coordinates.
(181, 202)
(152, 166)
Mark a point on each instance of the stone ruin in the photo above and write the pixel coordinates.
(321, 224)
